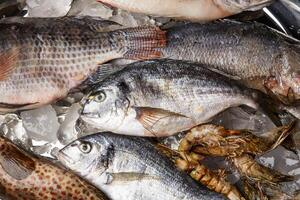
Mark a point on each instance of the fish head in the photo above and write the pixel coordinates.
(86, 155)
(105, 108)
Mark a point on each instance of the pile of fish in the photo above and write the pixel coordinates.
(161, 103)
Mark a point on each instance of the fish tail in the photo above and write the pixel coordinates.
(143, 42)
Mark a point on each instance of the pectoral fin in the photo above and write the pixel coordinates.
(15, 163)
(151, 118)
(130, 176)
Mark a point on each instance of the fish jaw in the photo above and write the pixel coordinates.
(196, 10)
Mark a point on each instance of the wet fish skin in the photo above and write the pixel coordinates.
(163, 97)
(42, 59)
(195, 10)
(104, 158)
(25, 177)
(249, 52)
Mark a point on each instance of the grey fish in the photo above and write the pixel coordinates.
(164, 97)
(104, 158)
(42, 59)
(252, 53)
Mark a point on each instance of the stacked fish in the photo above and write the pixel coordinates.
(178, 80)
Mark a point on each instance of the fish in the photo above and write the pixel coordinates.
(130, 167)
(24, 176)
(251, 53)
(162, 97)
(213, 140)
(194, 10)
(43, 59)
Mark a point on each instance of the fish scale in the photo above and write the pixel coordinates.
(49, 57)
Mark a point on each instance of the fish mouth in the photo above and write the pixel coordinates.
(65, 158)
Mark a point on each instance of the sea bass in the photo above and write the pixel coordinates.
(249, 52)
(130, 168)
(195, 10)
(164, 97)
(25, 177)
(42, 59)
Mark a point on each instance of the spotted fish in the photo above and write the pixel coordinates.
(25, 177)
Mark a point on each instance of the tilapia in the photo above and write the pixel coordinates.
(164, 97)
(251, 53)
(42, 59)
(25, 177)
(195, 10)
(130, 168)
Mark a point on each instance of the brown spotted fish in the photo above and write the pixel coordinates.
(26, 177)
(41, 60)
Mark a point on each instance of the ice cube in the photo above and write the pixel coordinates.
(237, 119)
(41, 123)
(47, 8)
(67, 132)
(12, 128)
(90, 8)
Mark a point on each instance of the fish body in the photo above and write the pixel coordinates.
(195, 10)
(25, 177)
(130, 168)
(249, 52)
(163, 97)
(42, 59)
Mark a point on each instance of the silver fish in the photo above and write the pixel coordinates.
(196, 10)
(252, 53)
(42, 59)
(130, 168)
(164, 97)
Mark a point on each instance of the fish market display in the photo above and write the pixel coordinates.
(249, 52)
(129, 168)
(196, 10)
(43, 59)
(164, 97)
(25, 177)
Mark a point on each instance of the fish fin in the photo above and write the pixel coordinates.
(8, 60)
(149, 117)
(102, 72)
(130, 176)
(16, 163)
(143, 42)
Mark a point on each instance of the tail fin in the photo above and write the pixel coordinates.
(143, 42)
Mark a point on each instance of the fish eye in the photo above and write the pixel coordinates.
(85, 147)
(100, 97)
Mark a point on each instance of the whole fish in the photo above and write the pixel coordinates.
(196, 10)
(130, 168)
(164, 97)
(25, 177)
(249, 52)
(42, 59)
